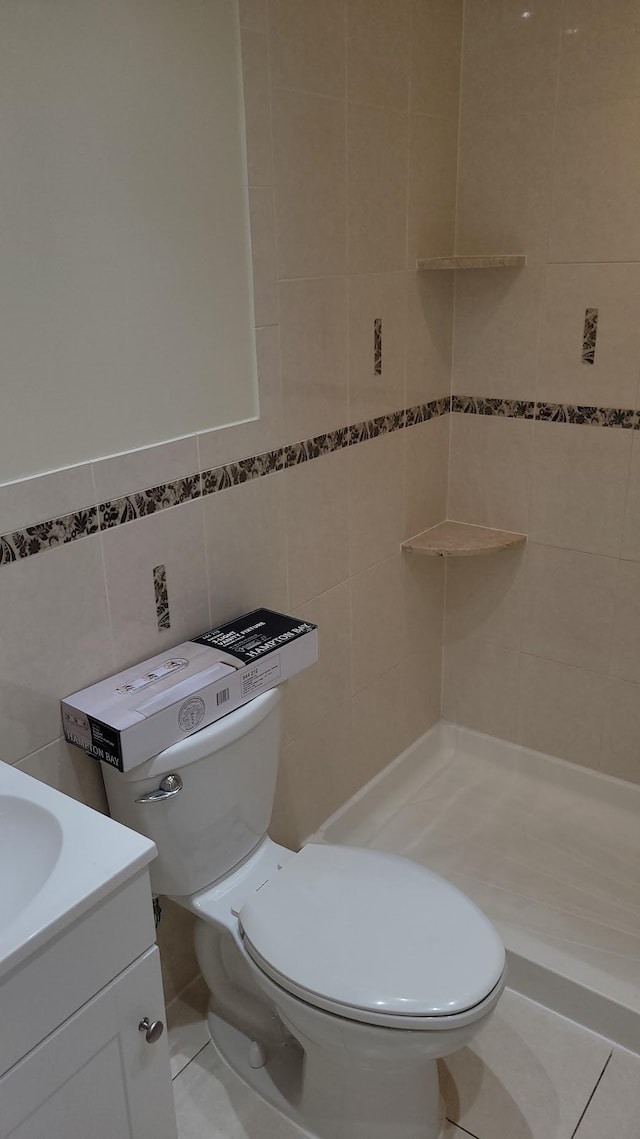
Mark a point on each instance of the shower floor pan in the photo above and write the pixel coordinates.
(549, 850)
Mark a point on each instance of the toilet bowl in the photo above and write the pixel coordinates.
(376, 966)
(337, 975)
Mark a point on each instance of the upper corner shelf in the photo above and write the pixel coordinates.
(462, 261)
(461, 540)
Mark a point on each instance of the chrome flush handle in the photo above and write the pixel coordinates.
(171, 785)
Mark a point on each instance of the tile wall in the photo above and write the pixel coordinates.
(352, 132)
(352, 125)
(542, 646)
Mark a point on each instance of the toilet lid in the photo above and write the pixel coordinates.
(372, 932)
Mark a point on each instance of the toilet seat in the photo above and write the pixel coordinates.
(375, 938)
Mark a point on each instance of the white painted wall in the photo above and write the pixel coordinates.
(126, 306)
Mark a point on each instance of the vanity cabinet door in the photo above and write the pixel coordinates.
(96, 1077)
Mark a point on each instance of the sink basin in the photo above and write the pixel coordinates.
(30, 843)
(58, 859)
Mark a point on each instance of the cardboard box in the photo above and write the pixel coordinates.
(130, 717)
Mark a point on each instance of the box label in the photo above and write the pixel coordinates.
(126, 719)
(261, 676)
(94, 737)
(254, 635)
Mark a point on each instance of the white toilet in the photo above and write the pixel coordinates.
(337, 975)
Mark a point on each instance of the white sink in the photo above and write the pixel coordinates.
(30, 844)
(58, 859)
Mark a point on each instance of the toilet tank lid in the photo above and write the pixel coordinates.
(373, 932)
(207, 740)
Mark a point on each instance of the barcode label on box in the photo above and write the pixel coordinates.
(222, 697)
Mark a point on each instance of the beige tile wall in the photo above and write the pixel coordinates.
(352, 120)
(542, 646)
(351, 112)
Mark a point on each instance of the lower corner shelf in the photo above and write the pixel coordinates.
(461, 540)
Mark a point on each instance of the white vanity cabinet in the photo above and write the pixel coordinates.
(75, 1063)
(79, 972)
(96, 1077)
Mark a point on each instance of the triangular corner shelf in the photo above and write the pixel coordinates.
(461, 540)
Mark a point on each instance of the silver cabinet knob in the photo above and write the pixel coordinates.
(169, 786)
(152, 1029)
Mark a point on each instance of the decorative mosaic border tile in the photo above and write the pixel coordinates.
(548, 412)
(593, 416)
(220, 478)
(36, 539)
(233, 474)
(47, 535)
(373, 428)
(590, 336)
(478, 405)
(145, 502)
(161, 591)
(426, 411)
(377, 346)
(116, 512)
(314, 448)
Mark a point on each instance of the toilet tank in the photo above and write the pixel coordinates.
(228, 772)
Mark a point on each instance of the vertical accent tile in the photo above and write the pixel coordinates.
(377, 346)
(162, 597)
(589, 336)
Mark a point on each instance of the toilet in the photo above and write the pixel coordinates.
(338, 976)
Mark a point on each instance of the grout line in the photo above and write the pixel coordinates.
(519, 668)
(597, 1085)
(626, 499)
(386, 107)
(463, 1129)
(551, 187)
(406, 255)
(522, 602)
(180, 995)
(452, 358)
(554, 660)
(103, 561)
(207, 567)
(194, 1057)
(620, 559)
(443, 642)
(308, 91)
(458, 149)
(454, 304)
(348, 288)
(612, 625)
(272, 146)
(397, 271)
(377, 679)
(407, 196)
(260, 186)
(615, 261)
(451, 424)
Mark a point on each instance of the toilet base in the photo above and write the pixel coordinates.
(279, 1081)
(405, 1104)
(344, 1100)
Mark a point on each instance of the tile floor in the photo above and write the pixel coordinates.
(530, 1074)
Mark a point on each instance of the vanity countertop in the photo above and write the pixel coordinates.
(59, 859)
